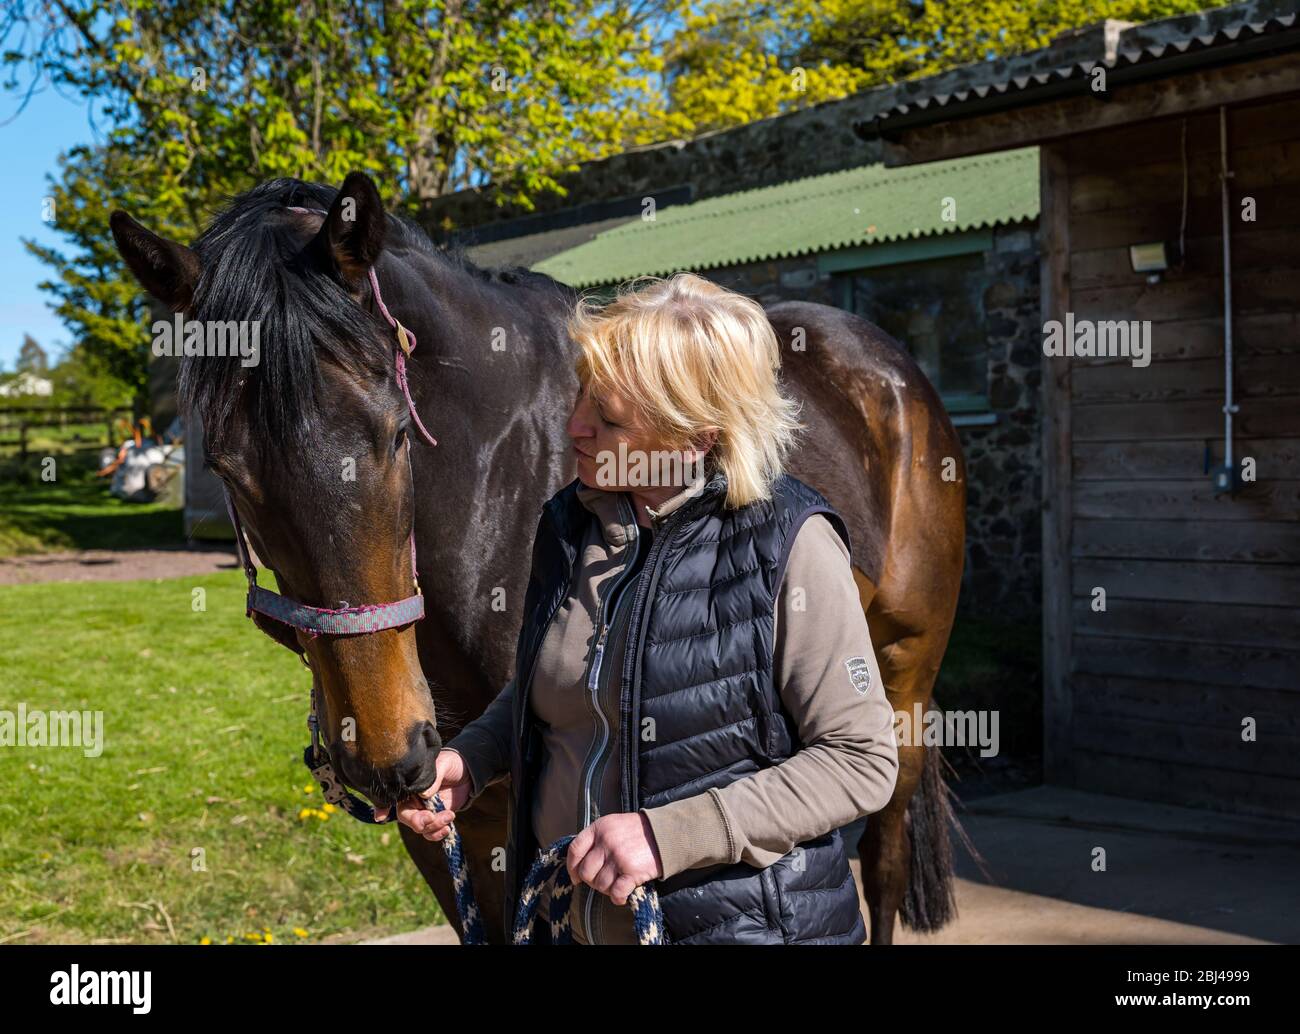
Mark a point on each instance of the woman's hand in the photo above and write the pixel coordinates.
(615, 855)
(451, 783)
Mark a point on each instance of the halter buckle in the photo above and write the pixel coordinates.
(404, 339)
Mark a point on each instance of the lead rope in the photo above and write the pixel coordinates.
(647, 915)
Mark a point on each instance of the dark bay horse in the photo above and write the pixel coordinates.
(315, 448)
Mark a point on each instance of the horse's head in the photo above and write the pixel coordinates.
(310, 439)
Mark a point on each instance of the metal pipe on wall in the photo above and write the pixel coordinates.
(1229, 407)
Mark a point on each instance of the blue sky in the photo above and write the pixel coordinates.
(29, 149)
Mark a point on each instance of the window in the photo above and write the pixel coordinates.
(934, 307)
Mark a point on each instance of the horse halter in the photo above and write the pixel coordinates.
(349, 620)
(369, 617)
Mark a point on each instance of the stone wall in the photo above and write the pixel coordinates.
(1004, 459)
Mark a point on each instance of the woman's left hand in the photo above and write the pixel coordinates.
(615, 855)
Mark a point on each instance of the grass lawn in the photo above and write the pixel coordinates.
(191, 823)
(75, 510)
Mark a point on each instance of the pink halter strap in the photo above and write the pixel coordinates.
(405, 339)
(405, 346)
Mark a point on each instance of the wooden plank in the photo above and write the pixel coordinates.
(1256, 376)
(1276, 207)
(1182, 460)
(1276, 585)
(1255, 166)
(1259, 333)
(1198, 420)
(1265, 667)
(1177, 743)
(1258, 542)
(1144, 143)
(1253, 247)
(1193, 499)
(1128, 102)
(1275, 711)
(1275, 289)
(1188, 784)
(1237, 624)
(1054, 287)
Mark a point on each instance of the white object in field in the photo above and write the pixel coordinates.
(129, 480)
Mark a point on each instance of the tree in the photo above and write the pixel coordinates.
(80, 379)
(736, 60)
(206, 99)
(31, 357)
(97, 299)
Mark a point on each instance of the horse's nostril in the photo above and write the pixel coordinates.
(416, 770)
(431, 738)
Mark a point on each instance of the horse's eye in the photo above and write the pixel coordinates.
(399, 440)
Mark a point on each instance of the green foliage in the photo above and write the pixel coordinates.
(32, 357)
(80, 378)
(736, 60)
(432, 96)
(75, 511)
(207, 99)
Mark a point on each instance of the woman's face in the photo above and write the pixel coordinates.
(598, 426)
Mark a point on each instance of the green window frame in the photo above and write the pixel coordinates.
(972, 407)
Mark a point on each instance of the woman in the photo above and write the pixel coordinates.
(696, 694)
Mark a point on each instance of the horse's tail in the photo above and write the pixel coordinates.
(930, 902)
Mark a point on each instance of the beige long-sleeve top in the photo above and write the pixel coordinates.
(825, 672)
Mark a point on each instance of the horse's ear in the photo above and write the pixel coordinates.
(167, 270)
(352, 235)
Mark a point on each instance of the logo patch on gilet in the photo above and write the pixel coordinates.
(859, 673)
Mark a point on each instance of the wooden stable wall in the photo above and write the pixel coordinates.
(1202, 622)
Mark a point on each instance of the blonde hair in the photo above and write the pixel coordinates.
(693, 357)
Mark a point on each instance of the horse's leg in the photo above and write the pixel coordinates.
(909, 662)
(482, 833)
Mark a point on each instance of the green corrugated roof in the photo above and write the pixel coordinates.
(867, 205)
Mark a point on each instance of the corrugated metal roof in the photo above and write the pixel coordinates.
(863, 206)
(534, 248)
(1116, 46)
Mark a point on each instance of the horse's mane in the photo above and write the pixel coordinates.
(252, 270)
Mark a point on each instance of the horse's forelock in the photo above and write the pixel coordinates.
(253, 270)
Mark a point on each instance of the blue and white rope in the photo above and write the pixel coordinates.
(549, 868)
(471, 920)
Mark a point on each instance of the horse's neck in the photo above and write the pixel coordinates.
(499, 418)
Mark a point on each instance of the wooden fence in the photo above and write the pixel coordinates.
(17, 423)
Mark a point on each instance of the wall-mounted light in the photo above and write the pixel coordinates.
(1152, 259)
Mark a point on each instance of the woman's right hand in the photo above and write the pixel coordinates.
(451, 783)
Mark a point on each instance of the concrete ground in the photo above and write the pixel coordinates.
(1172, 875)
